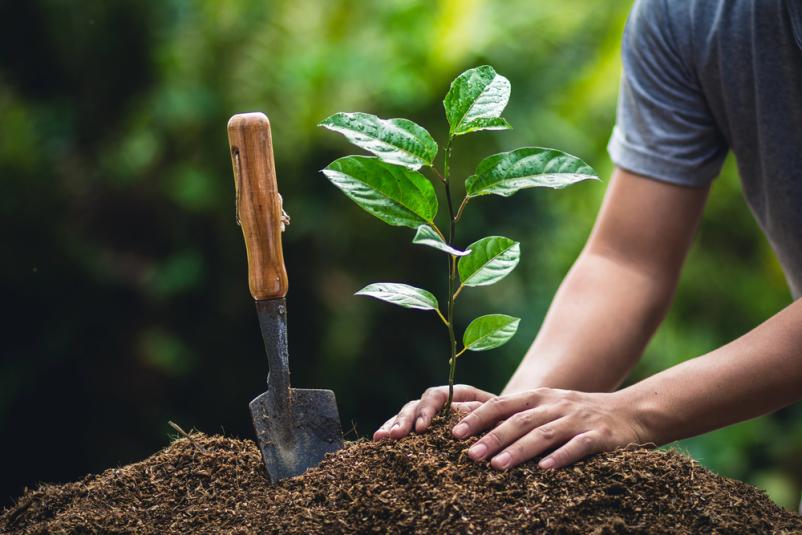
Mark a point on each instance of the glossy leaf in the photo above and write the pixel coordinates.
(529, 167)
(396, 195)
(397, 141)
(489, 332)
(491, 259)
(400, 294)
(475, 101)
(427, 236)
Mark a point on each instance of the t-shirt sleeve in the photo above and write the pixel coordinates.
(664, 128)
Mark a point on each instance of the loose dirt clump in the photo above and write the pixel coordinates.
(422, 484)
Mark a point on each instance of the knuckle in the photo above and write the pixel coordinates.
(517, 451)
(410, 404)
(431, 392)
(563, 405)
(495, 403)
(406, 410)
(587, 440)
(492, 440)
(471, 420)
(547, 432)
(541, 392)
(523, 419)
(571, 395)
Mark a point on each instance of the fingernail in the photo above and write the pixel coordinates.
(395, 426)
(460, 430)
(477, 451)
(502, 460)
(546, 463)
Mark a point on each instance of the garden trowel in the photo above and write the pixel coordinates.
(294, 427)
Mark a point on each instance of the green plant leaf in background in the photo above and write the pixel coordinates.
(475, 101)
(401, 294)
(490, 260)
(426, 235)
(489, 332)
(397, 141)
(396, 195)
(529, 167)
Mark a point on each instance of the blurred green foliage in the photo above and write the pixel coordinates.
(124, 277)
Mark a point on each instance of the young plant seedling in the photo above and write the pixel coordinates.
(390, 187)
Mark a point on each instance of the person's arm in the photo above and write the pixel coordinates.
(607, 307)
(758, 373)
(618, 290)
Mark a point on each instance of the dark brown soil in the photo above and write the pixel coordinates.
(423, 484)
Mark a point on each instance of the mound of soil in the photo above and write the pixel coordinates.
(422, 484)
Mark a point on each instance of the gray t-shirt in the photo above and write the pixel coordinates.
(702, 77)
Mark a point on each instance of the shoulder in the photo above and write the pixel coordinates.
(685, 38)
(660, 28)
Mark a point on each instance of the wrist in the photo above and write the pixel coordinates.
(644, 409)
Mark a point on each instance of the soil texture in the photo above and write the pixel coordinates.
(422, 484)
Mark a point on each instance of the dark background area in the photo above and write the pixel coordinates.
(124, 280)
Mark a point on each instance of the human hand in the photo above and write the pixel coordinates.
(573, 424)
(419, 413)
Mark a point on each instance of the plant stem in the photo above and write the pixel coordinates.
(437, 230)
(456, 294)
(436, 172)
(462, 206)
(452, 271)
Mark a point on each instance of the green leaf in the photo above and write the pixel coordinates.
(491, 259)
(396, 195)
(401, 294)
(427, 236)
(499, 123)
(529, 167)
(397, 141)
(489, 332)
(475, 101)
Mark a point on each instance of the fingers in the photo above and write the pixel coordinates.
(494, 410)
(571, 425)
(510, 431)
(431, 402)
(575, 449)
(418, 414)
(534, 443)
(384, 431)
(404, 421)
(464, 408)
(470, 393)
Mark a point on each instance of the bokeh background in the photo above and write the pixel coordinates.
(124, 291)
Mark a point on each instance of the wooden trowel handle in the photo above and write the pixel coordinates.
(259, 206)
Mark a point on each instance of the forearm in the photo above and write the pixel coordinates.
(596, 329)
(758, 373)
(618, 290)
